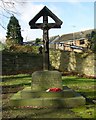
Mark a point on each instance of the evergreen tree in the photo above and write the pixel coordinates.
(92, 40)
(93, 47)
(14, 32)
(37, 41)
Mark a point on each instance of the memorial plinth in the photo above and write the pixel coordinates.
(43, 80)
(36, 95)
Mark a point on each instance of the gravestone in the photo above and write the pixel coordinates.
(36, 95)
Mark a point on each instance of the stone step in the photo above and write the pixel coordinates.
(49, 102)
(43, 94)
(66, 98)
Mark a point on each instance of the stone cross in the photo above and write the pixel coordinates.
(45, 26)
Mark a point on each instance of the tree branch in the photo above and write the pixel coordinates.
(8, 7)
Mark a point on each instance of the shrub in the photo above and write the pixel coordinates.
(23, 48)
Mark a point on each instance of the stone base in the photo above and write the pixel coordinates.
(67, 98)
(36, 95)
(43, 80)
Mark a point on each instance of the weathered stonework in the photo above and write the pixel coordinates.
(42, 99)
(83, 63)
(43, 80)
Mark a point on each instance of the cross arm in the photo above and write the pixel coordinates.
(41, 25)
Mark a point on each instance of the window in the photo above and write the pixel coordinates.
(82, 42)
(61, 44)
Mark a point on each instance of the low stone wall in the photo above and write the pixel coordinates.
(17, 63)
(82, 63)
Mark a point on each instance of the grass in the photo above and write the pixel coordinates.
(21, 79)
(84, 86)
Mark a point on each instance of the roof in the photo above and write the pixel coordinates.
(51, 39)
(77, 35)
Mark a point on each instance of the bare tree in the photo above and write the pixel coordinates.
(8, 8)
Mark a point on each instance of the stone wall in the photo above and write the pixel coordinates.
(16, 63)
(82, 63)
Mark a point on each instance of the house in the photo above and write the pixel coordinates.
(30, 43)
(72, 42)
(53, 41)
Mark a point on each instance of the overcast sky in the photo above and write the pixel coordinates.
(77, 15)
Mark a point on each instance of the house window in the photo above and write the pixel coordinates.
(61, 44)
(82, 42)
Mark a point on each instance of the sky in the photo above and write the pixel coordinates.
(77, 15)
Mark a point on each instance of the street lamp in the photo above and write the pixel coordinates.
(74, 34)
